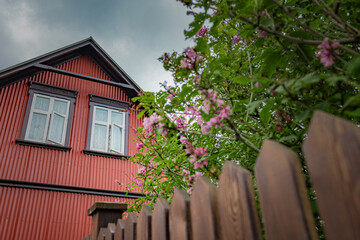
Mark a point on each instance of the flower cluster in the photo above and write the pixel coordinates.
(262, 33)
(327, 52)
(212, 102)
(236, 39)
(190, 58)
(190, 178)
(202, 32)
(139, 146)
(281, 117)
(194, 113)
(181, 123)
(196, 154)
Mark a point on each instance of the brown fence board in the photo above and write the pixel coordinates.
(102, 233)
(130, 226)
(109, 235)
(143, 228)
(238, 214)
(180, 220)
(332, 153)
(284, 204)
(120, 230)
(160, 220)
(204, 212)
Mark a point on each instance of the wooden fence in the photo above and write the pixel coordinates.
(228, 211)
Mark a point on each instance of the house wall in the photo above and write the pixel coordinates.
(37, 214)
(73, 168)
(41, 214)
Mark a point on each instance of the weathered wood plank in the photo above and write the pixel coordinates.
(204, 212)
(238, 215)
(284, 203)
(120, 230)
(160, 220)
(180, 221)
(143, 228)
(130, 226)
(102, 234)
(332, 153)
(109, 235)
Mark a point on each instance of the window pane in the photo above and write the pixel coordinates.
(42, 103)
(99, 137)
(37, 127)
(60, 107)
(57, 128)
(116, 138)
(117, 117)
(101, 115)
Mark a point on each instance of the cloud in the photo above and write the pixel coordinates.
(133, 33)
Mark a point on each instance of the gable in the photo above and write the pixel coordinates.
(93, 60)
(85, 65)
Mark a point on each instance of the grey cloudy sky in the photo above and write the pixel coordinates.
(133, 32)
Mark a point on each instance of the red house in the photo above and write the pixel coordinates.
(67, 124)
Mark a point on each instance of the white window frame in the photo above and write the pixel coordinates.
(49, 119)
(109, 130)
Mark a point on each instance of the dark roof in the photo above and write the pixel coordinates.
(52, 59)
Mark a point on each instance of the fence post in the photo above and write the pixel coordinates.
(103, 213)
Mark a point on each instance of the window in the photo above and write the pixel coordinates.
(108, 127)
(48, 117)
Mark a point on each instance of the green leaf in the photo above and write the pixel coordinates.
(265, 114)
(301, 116)
(253, 105)
(353, 67)
(141, 114)
(242, 79)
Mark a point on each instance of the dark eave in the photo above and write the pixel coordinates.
(49, 61)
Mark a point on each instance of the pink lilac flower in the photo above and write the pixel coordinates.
(236, 39)
(258, 84)
(180, 123)
(139, 146)
(185, 63)
(196, 80)
(262, 34)
(189, 191)
(225, 112)
(172, 94)
(138, 182)
(190, 52)
(142, 170)
(202, 32)
(327, 52)
(266, 14)
(183, 140)
(201, 152)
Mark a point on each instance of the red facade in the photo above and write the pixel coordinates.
(28, 213)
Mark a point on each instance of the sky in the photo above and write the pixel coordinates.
(133, 32)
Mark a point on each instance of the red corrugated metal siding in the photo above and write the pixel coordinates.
(72, 168)
(37, 214)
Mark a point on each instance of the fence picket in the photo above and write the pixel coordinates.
(332, 153)
(130, 226)
(180, 221)
(160, 220)
(204, 212)
(143, 228)
(284, 203)
(102, 233)
(238, 214)
(109, 235)
(120, 230)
